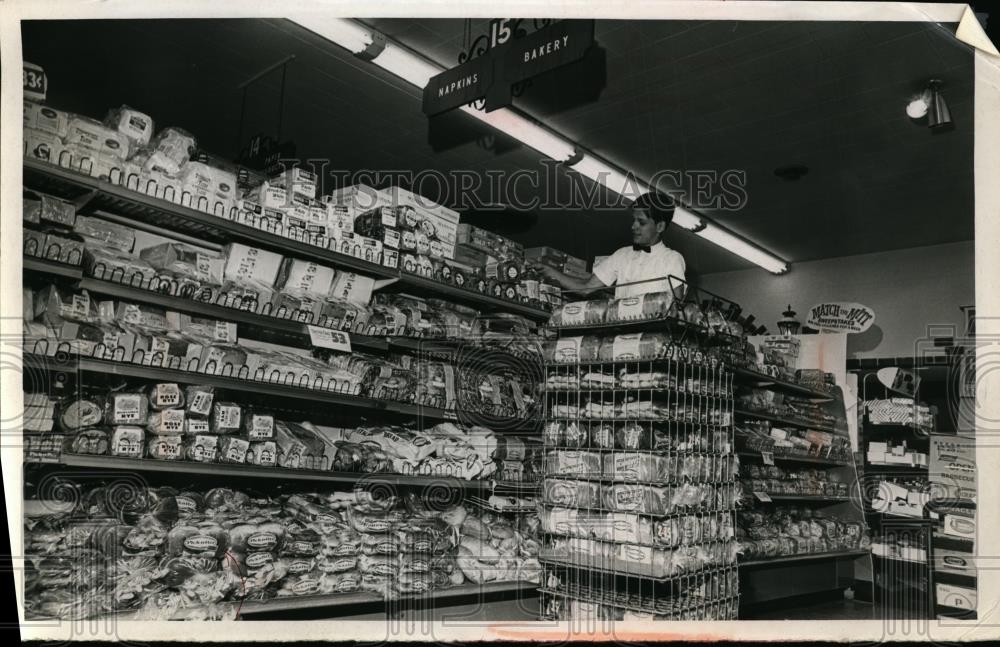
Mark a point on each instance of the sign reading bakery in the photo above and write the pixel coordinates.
(840, 317)
(499, 62)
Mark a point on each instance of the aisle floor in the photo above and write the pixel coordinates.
(833, 610)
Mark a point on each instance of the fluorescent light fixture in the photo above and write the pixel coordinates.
(406, 65)
(686, 219)
(350, 35)
(525, 131)
(627, 186)
(740, 247)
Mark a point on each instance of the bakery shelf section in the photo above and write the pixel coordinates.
(749, 377)
(795, 458)
(778, 420)
(161, 213)
(147, 465)
(793, 559)
(325, 396)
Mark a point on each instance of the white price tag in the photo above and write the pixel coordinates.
(329, 338)
(762, 497)
(767, 457)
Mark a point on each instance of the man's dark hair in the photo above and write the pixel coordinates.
(659, 206)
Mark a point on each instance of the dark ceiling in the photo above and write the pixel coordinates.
(679, 95)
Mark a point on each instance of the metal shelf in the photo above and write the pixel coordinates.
(327, 397)
(415, 282)
(610, 567)
(788, 458)
(788, 422)
(802, 498)
(660, 324)
(776, 384)
(791, 559)
(366, 597)
(154, 211)
(252, 471)
(35, 264)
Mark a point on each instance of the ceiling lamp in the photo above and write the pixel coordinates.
(931, 104)
(417, 70)
(938, 117)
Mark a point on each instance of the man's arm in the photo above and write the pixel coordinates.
(570, 283)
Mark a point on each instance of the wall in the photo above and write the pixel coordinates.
(908, 289)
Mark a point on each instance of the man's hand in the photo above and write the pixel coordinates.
(566, 282)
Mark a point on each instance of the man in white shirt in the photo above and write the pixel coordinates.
(647, 257)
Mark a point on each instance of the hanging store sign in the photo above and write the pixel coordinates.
(505, 61)
(841, 317)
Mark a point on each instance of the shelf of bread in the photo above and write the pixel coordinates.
(228, 221)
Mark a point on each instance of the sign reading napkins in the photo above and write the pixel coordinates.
(841, 317)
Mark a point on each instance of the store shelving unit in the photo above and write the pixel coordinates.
(903, 588)
(636, 464)
(171, 216)
(766, 581)
(67, 369)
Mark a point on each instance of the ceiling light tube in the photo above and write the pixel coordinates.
(406, 65)
(351, 35)
(740, 247)
(629, 187)
(525, 131)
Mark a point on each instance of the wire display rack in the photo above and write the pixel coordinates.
(637, 505)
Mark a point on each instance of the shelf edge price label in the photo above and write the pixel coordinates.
(767, 457)
(763, 497)
(329, 338)
(34, 81)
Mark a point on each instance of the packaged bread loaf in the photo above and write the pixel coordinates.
(202, 448)
(126, 408)
(168, 422)
(103, 233)
(233, 449)
(573, 494)
(165, 396)
(89, 441)
(111, 264)
(196, 426)
(633, 466)
(80, 413)
(258, 425)
(199, 401)
(226, 417)
(652, 305)
(127, 441)
(574, 463)
(164, 447)
(580, 312)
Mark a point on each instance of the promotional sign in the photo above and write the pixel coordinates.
(841, 317)
(34, 82)
(507, 61)
(899, 380)
(953, 466)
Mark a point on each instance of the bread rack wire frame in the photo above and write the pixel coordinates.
(640, 451)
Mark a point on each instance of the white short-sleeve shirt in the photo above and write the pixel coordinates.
(627, 265)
